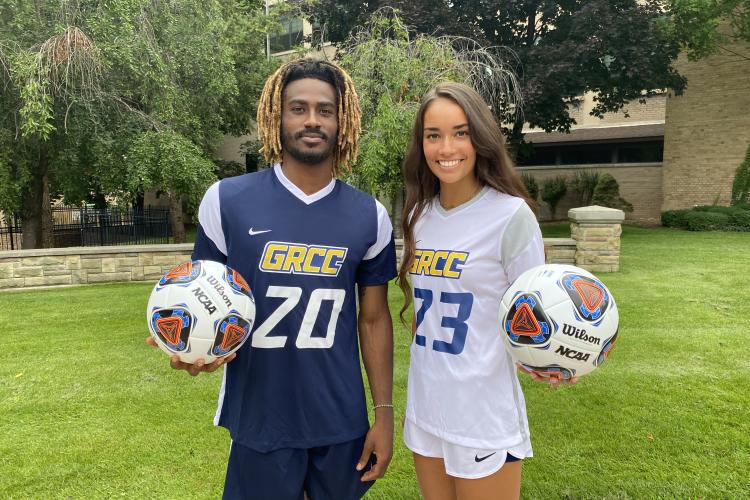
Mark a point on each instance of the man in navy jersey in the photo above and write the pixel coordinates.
(318, 255)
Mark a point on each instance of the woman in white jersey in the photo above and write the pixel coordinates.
(469, 232)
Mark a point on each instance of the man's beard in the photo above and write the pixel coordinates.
(308, 156)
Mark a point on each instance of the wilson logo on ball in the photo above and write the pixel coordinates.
(526, 322)
(588, 295)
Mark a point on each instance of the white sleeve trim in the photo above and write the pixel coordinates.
(209, 217)
(385, 230)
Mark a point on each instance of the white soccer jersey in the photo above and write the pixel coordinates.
(463, 385)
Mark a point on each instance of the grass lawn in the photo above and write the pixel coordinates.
(88, 410)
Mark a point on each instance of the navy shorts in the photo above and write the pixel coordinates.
(324, 473)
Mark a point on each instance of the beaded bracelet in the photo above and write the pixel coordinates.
(384, 405)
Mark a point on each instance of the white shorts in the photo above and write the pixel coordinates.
(460, 461)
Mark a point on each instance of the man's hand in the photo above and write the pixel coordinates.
(194, 368)
(379, 441)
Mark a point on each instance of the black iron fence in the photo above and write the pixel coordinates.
(73, 227)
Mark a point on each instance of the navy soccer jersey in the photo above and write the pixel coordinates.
(296, 383)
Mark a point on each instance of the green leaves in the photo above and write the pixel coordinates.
(392, 69)
(741, 182)
(170, 162)
(124, 95)
(36, 112)
(697, 24)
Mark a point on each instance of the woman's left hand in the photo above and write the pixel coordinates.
(553, 381)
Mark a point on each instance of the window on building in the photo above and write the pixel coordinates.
(591, 154)
(582, 154)
(640, 152)
(290, 36)
(538, 156)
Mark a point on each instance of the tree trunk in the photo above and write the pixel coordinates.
(31, 216)
(516, 137)
(48, 237)
(397, 209)
(176, 217)
(37, 212)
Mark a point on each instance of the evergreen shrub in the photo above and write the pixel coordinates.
(553, 189)
(583, 184)
(740, 220)
(532, 186)
(675, 218)
(607, 194)
(707, 221)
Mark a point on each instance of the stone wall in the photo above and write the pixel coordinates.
(594, 245)
(81, 265)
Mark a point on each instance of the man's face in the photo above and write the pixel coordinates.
(309, 120)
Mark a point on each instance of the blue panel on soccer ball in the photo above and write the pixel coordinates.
(182, 274)
(238, 283)
(609, 344)
(173, 327)
(590, 297)
(526, 323)
(230, 333)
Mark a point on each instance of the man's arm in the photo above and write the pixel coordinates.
(376, 343)
(209, 245)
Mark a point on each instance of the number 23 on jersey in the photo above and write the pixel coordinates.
(455, 323)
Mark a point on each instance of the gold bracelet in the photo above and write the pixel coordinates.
(385, 405)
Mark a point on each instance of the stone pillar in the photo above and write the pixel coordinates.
(596, 231)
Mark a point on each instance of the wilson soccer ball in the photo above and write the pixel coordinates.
(559, 321)
(200, 310)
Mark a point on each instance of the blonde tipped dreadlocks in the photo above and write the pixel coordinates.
(269, 114)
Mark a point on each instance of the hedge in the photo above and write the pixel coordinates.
(740, 220)
(675, 218)
(707, 221)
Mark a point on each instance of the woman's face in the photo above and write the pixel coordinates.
(447, 145)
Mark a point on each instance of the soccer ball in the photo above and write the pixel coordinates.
(200, 310)
(558, 321)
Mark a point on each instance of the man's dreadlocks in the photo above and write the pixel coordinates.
(269, 109)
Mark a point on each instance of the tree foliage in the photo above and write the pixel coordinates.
(553, 190)
(392, 69)
(616, 49)
(703, 26)
(583, 182)
(82, 83)
(741, 182)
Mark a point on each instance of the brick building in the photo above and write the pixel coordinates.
(672, 152)
(668, 152)
(707, 129)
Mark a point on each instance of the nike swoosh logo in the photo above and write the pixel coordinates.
(477, 459)
(253, 233)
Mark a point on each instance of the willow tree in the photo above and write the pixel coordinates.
(392, 68)
(45, 90)
(81, 82)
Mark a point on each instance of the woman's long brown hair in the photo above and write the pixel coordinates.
(493, 167)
